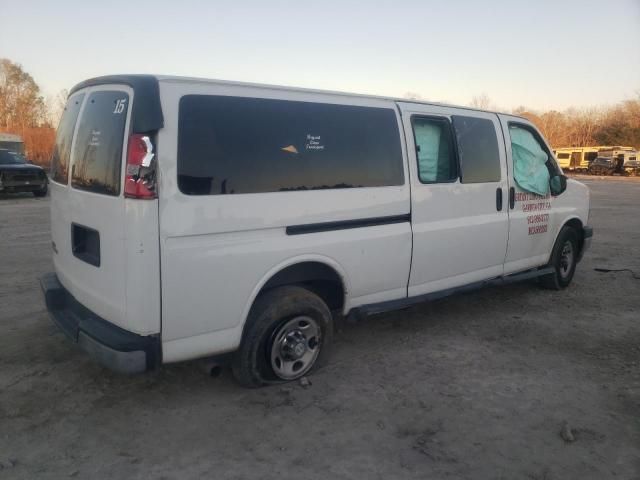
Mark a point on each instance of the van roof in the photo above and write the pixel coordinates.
(138, 80)
(10, 137)
(175, 78)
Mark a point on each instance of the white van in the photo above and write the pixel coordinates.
(565, 158)
(631, 163)
(193, 217)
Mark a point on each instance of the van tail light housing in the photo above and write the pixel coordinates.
(140, 181)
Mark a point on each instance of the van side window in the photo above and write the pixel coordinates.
(231, 145)
(590, 156)
(434, 150)
(62, 147)
(532, 165)
(477, 149)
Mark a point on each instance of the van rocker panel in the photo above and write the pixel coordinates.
(115, 348)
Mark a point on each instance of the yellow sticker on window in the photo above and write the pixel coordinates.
(290, 149)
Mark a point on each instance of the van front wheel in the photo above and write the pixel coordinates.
(563, 260)
(40, 193)
(287, 335)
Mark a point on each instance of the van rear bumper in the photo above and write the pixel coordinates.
(111, 346)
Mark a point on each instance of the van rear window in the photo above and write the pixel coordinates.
(64, 136)
(97, 153)
(249, 145)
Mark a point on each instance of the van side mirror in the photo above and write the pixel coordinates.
(558, 184)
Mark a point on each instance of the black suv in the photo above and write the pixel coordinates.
(603, 166)
(18, 175)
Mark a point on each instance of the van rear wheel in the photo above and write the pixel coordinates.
(563, 260)
(287, 335)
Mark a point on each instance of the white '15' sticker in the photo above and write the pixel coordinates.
(120, 104)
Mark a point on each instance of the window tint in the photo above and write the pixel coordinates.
(477, 149)
(248, 145)
(98, 148)
(563, 155)
(64, 136)
(8, 157)
(590, 156)
(434, 150)
(17, 147)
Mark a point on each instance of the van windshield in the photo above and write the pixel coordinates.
(97, 152)
(11, 158)
(12, 146)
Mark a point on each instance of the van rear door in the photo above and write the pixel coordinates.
(105, 245)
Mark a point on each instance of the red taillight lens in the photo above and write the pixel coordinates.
(139, 155)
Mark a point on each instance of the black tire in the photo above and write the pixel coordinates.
(253, 363)
(564, 259)
(40, 193)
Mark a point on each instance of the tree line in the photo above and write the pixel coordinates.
(25, 111)
(614, 125)
(582, 127)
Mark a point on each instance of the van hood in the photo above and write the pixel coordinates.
(20, 167)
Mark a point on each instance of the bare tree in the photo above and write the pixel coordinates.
(55, 107)
(21, 102)
(412, 96)
(23, 111)
(581, 126)
(620, 125)
(482, 102)
(553, 125)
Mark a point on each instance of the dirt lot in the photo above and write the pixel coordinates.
(474, 386)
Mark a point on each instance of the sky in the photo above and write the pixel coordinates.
(541, 54)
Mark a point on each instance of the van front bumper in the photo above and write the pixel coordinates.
(587, 236)
(115, 348)
(24, 187)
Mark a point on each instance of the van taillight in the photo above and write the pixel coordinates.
(140, 176)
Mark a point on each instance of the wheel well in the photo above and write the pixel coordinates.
(576, 224)
(321, 279)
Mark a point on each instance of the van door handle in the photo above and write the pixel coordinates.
(512, 198)
(499, 199)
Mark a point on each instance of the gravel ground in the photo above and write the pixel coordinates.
(482, 385)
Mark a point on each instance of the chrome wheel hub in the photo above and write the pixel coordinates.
(295, 347)
(566, 259)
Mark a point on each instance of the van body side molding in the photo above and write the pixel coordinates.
(346, 224)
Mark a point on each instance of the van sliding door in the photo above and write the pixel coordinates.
(458, 174)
